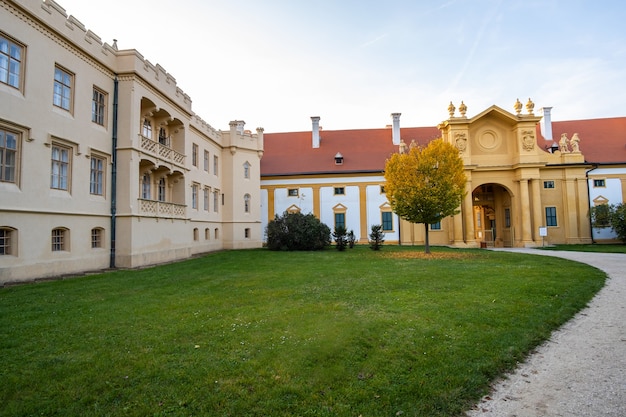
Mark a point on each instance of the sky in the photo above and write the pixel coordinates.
(276, 63)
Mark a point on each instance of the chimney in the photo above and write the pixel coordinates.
(546, 123)
(316, 131)
(395, 133)
(240, 127)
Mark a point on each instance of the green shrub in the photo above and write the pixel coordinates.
(351, 239)
(297, 231)
(340, 236)
(377, 237)
(618, 220)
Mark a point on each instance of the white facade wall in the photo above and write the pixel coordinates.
(330, 202)
(612, 191)
(376, 204)
(358, 190)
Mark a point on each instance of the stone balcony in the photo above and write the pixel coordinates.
(163, 209)
(161, 151)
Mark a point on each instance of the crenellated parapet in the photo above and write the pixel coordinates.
(51, 19)
(130, 61)
(202, 126)
(66, 30)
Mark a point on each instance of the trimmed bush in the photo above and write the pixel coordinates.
(297, 231)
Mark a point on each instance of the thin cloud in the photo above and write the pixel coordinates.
(373, 41)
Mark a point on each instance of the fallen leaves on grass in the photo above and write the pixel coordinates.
(426, 256)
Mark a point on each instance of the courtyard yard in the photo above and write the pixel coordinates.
(261, 333)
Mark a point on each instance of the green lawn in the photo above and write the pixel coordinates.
(261, 333)
(605, 248)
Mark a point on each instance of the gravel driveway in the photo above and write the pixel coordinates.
(581, 370)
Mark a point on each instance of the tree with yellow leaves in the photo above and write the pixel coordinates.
(426, 184)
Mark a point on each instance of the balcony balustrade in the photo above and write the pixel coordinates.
(161, 151)
(161, 209)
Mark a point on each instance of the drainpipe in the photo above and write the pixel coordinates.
(589, 200)
(114, 174)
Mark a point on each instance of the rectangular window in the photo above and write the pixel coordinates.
(96, 238)
(145, 187)
(11, 62)
(246, 170)
(194, 155)
(548, 184)
(246, 233)
(206, 199)
(96, 178)
(146, 129)
(387, 218)
(340, 220)
(599, 183)
(382, 189)
(551, 216)
(98, 107)
(216, 199)
(206, 161)
(194, 196)
(60, 171)
(340, 191)
(292, 192)
(58, 240)
(435, 226)
(507, 218)
(161, 190)
(63, 84)
(6, 242)
(215, 164)
(8, 155)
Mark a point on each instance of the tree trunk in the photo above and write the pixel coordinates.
(426, 243)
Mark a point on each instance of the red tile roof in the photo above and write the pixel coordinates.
(366, 150)
(601, 140)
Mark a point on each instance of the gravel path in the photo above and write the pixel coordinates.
(581, 370)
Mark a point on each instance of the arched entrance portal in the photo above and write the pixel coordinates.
(492, 216)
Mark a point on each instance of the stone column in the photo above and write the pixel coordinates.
(271, 190)
(468, 215)
(570, 221)
(317, 211)
(583, 212)
(363, 233)
(525, 207)
(536, 209)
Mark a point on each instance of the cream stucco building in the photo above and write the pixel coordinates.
(103, 161)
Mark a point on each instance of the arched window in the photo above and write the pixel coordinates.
(246, 170)
(246, 203)
(207, 234)
(217, 233)
(195, 234)
(97, 237)
(8, 241)
(146, 130)
(60, 239)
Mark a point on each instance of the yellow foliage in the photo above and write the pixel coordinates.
(427, 183)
